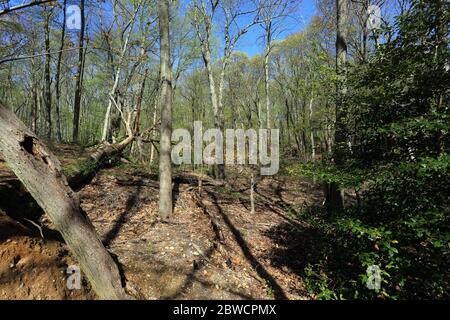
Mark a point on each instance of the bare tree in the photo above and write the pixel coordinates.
(48, 14)
(204, 14)
(79, 76)
(272, 14)
(113, 100)
(333, 198)
(165, 164)
(58, 75)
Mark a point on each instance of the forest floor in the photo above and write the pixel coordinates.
(250, 256)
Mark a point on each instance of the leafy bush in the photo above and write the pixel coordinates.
(397, 118)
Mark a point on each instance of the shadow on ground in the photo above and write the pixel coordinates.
(257, 266)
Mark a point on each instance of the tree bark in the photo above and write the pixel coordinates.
(219, 117)
(219, 169)
(79, 78)
(155, 109)
(266, 73)
(137, 119)
(333, 197)
(48, 83)
(58, 75)
(34, 106)
(313, 144)
(86, 170)
(40, 172)
(165, 165)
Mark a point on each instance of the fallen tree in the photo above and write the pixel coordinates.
(82, 172)
(40, 172)
(19, 204)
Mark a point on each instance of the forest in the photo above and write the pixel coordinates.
(224, 149)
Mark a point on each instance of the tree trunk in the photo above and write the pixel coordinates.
(34, 107)
(107, 130)
(86, 170)
(313, 144)
(137, 119)
(365, 31)
(152, 147)
(219, 169)
(36, 167)
(333, 197)
(58, 75)
(79, 77)
(219, 118)
(165, 165)
(47, 88)
(266, 74)
(341, 89)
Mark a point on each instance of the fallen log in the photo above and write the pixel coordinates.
(19, 204)
(82, 172)
(40, 172)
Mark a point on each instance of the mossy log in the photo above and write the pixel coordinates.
(81, 172)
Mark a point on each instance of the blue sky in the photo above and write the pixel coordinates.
(299, 21)
(251, 43)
